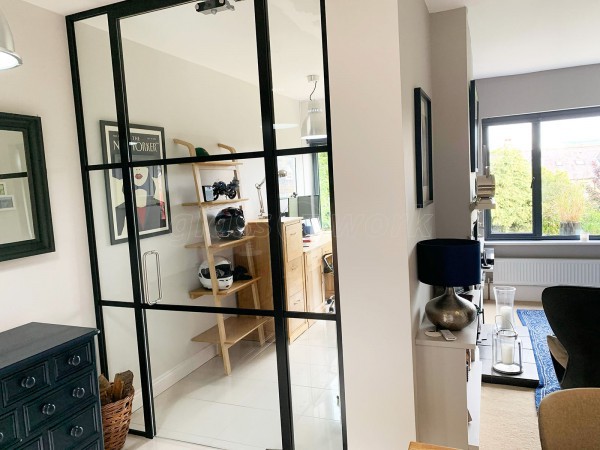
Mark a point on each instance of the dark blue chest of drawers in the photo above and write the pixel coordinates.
(49, 388)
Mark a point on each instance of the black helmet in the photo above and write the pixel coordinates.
(230, 223)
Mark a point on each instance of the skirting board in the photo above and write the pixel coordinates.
(177, 373)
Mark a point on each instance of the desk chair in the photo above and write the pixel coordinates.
(569, 420)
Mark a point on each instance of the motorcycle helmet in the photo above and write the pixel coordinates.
(230, 223)
(224, 270)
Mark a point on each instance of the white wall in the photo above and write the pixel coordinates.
(53, 287)
(369, 147)
(573, 87)
(415, 68)
(452, 179)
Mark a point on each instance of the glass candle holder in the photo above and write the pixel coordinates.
(507, 352)
(505, 302)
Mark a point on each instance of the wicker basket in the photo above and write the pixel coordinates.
(115, 422)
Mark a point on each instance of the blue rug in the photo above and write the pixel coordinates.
(539, 328)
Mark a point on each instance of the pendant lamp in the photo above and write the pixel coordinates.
(8, 57)
(314, 126)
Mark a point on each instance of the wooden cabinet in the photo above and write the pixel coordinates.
(449, 386)
(49, 388)
(303, 271)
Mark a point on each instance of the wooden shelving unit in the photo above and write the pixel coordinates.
(226, 332)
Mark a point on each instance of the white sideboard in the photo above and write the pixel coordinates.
(448, 391)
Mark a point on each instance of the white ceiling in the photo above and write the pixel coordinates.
(507, 36)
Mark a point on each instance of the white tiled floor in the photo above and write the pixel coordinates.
(241, 411)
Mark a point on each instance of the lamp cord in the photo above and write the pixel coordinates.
(313, 91)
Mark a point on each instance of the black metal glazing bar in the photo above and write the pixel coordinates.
(303, 151)
(87, 194)
(222, 310)
(333, 227)
(185, 160)
(9, 176)
(536, 173)
(132, 226)
(275, 241)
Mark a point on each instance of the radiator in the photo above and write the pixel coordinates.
(546, 272)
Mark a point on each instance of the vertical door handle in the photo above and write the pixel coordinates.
(145, 277)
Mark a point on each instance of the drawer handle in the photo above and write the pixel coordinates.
(75, 360)
(1, 436)
(28, 382)
(79, 392)
(76, 431)
(48, 409)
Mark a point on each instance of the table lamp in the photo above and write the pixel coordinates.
(449, 263)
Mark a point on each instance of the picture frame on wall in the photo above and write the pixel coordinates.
(150, 182)
(7, 202)
(474, 128)
(288, 185)
(423, 148)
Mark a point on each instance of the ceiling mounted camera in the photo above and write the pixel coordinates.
(214, 6)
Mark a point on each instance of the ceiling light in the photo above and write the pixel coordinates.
(315, 125)
(8, 57)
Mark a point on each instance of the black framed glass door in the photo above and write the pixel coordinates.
(172, 108)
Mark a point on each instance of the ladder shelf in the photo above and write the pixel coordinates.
(227, 331)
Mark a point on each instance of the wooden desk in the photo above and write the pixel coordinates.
(303, 271)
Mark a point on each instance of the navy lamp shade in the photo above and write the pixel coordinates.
(449, 263)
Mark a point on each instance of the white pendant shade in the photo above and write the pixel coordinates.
(314, 126)
(8, 57)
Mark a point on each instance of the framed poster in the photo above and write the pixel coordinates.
(474, 128)
(150, 182)
(423, 148)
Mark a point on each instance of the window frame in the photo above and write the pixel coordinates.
(535, 119)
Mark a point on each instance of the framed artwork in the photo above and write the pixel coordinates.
(150, 182)
(474, 128)
(423, 148)
(287, 183)
(7, 202)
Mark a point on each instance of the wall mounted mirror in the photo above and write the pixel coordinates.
(25, 218)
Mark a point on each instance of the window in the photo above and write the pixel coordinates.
(547, 169)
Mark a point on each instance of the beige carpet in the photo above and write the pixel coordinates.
(508, 415)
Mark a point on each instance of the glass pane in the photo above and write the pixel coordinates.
(191, 75)
(571, 176)
(306, 234)
(236, 239)
(96, 79)
(122, 354)
(110, 225)
(12, 152)
(195, 400)
(510, 162)
(16, 220)
(297, 68)
(316, 388)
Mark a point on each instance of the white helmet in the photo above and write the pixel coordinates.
(224, 270)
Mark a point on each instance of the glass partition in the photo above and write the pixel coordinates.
(96, 84)
(297, 70)
(110, 224)
(196, 401)
(194, 78)
(316, 388)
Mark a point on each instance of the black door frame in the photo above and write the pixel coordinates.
(128, 8)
